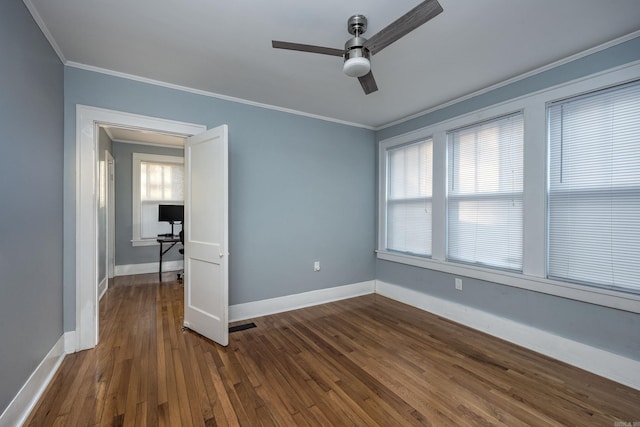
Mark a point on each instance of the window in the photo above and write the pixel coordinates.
(156, 180)
(594, 188)
(408, 198)
(484, 198)
(545, 196)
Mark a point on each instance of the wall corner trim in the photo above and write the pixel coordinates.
(600, 362)
(23, 403)
(265, 307)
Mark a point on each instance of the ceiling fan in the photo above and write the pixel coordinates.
(358, 50)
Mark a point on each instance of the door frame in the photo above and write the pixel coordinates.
(111, 216)
(86, 208)
(105, 191)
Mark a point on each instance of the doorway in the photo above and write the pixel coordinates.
(86, 244)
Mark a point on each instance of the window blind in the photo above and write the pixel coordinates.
(408, 199)
(484, 197)
(594, 188)
(160, 183)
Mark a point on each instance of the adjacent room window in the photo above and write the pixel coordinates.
(408, 198)
(484, 197)
(156, 180)
(594, 188)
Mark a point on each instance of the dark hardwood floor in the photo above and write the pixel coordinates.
(365, 361)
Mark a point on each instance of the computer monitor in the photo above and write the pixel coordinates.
(171, 213)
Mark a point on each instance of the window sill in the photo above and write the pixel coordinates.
(604, 297)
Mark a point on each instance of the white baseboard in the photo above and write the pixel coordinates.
(292, 302)
(102, 287)
(24, 402)
(70, 344)
(151, 267)
(600, 362)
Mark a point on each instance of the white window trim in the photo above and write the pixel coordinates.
(135, 183)
(533, 275)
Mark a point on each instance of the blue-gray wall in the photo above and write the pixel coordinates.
(609, 329)
(104, 144)
(301, 189)
(126, 253)
(31, 247)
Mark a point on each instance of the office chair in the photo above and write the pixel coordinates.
(181, 250)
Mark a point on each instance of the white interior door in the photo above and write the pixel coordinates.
(206, 280)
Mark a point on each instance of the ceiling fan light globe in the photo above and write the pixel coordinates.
(356, 67)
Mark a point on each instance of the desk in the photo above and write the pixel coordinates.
(170, 241)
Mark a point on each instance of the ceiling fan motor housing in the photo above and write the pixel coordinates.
(356, 58)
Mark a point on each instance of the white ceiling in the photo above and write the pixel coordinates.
(224, 47)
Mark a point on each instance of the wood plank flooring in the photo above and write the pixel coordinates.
(365, 361)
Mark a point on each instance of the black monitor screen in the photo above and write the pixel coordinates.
(171, 213)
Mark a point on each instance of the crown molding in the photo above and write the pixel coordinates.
(38, 19)
(515, 79)
(212, 94)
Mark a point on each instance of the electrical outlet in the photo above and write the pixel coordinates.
(458, 284)
(316, 266)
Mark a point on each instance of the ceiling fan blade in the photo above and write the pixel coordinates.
(307, 48)
(403, 25)
(368, 83)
